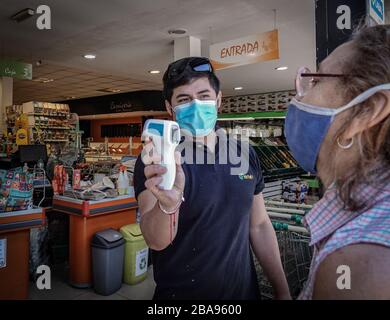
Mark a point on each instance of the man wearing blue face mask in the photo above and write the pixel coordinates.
(201, 232)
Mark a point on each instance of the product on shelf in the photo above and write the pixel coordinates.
(16, 190)
(295, 192)
(276, 101)
(49, 123)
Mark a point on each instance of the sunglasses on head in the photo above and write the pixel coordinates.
(176, 68)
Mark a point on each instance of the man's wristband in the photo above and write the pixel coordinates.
(174, 210)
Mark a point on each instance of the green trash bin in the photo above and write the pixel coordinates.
(136, 254)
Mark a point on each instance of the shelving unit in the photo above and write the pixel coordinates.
(50, 123)
(252, 115)
(260, 118)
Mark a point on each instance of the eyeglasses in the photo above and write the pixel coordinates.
(196, 64)
(306, 80)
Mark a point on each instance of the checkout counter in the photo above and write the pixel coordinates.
(85, 219)
(15, 249)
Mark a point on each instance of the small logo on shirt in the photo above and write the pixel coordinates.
(245, 176)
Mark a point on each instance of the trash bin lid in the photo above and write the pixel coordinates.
(108, 238)
(131, 231)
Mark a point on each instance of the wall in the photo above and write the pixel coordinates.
(96, 128)
(116, 103)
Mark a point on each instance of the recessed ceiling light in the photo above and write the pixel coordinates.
(281, 68)
(90, 56)
(42, 80)
(109, 90)
(154, 71)
(238, 88)
(179, 31)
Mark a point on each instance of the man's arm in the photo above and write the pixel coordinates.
(157, 227)
(359, 271)
(266, 249)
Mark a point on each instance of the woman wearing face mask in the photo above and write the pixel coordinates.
(339, 127)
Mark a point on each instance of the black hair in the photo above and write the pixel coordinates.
(187, 77)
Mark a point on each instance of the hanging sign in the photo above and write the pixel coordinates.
(15, 69)
(377, 11)
(247, 50)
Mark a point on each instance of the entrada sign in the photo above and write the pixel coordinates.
(247, 50)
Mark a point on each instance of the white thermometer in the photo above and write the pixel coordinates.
(165, 136)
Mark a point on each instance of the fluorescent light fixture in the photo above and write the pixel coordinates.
(154, 71)
(238, 88)
(90, 56)
(281, 68)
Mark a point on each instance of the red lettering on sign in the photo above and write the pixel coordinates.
(240, 50)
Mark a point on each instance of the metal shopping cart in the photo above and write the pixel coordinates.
(295, 252)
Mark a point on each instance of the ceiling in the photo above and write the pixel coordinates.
(71, 83)
(130, 37)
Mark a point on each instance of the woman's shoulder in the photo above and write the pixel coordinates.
(371, 226)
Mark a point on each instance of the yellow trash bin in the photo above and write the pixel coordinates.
(136, 254)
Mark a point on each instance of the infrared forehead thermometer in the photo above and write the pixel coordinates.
(165, 136)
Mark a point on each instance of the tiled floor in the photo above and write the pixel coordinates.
(61, 290)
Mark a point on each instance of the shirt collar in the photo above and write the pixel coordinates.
(329, 213)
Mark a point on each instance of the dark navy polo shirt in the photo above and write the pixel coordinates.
(210, 257)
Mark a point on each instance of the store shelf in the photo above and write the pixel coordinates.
(52, 128)
(253, 115)
(47, 115)
(53, 140)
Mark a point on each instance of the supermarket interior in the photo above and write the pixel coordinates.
(82, 85)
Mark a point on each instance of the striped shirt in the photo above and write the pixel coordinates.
(332, 227)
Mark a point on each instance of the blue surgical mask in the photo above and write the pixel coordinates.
(197, 118)
(307, 125)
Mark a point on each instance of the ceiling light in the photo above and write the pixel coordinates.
(109, 90)
(23, 14)
(281, 68)
(90, 56)
(42, 80)
(177, 31)
(238, 88)
(69, 97)
(154, 71)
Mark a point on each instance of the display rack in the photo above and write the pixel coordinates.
(52, 124)
(260, 118)
(264, 102)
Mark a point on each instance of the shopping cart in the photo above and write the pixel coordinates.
(295, 252)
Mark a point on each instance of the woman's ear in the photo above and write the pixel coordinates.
(168, 107)
(375, 114)
(219, 100)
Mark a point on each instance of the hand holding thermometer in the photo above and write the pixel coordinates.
(165, 137)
